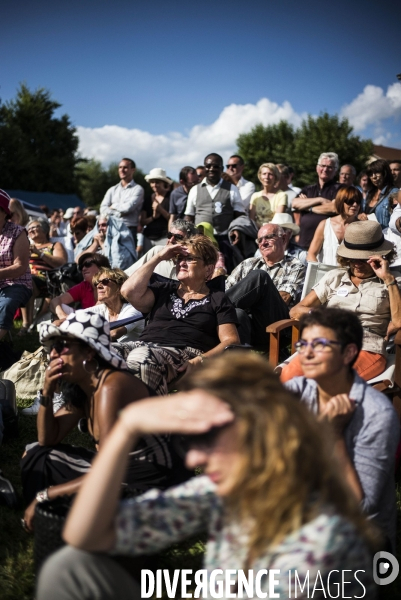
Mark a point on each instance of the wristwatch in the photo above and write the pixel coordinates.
(43, 496)
(44, 400)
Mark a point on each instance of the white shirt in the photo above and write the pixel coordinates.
(246, 189)
(235, 197)
(133, 329)
(124, 202)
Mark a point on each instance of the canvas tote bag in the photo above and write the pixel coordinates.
(28, 373)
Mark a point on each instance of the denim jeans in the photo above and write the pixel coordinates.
(11, 298)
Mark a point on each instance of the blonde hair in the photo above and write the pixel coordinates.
(272, 168)
(16, 208)
(287, 474)
(117, 275)
(201, 245)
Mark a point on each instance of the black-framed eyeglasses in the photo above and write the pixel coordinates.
(87, 264)
(233, 166)
(104, 281)
(318, 345)
(177, 236)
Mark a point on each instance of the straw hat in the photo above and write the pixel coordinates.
(91, 328)
(285, 221)
(158, 173)
(363, 239)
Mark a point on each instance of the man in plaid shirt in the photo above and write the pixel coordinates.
(266, 287)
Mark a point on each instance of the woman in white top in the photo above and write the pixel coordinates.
(270, 200)
(330, 233)
(113, 307)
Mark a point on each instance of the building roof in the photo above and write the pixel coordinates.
(51, 200)
(386, 153)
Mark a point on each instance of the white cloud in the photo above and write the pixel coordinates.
(174, 150)
(373, 105)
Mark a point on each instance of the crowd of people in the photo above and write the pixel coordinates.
(176, 291)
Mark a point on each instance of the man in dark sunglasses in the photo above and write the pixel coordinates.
(235, 168)
(180, 230)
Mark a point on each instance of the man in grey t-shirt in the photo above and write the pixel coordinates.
(365, 425)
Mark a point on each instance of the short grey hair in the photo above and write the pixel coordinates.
(330, 156)
(185, 226)
(351, 167)
(280, 230)
(44, 223)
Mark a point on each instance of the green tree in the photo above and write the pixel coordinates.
(326, 133)
(272, 143)
(302, 147)
(94, 181)
(38, 151)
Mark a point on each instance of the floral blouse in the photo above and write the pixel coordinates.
(151, 522)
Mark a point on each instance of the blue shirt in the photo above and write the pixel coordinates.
(371, 438)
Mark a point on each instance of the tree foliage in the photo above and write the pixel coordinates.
(38, 151)
(301, 148)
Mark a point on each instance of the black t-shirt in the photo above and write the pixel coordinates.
(194, 324)
(158, 227)
(310, 220)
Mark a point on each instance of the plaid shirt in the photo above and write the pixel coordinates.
(288, 275)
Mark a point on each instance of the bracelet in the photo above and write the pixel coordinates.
(43, 496)
(392, 283)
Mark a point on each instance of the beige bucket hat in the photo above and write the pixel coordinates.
(363, 239)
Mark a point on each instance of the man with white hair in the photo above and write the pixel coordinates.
(347, 175)
(316, 202)
(266, 286)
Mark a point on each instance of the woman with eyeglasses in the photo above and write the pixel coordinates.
(45, 256)
(270, 496)
(83, 293)
(330, 233)
(188, 321)
(377, 202)
(96, 385)
(365, 285)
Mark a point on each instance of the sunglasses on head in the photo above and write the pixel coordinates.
(87, 264)
(105, 281)
(177, 236)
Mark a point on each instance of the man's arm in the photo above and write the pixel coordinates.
(107, 201)
(236, 202)
(191, 205)
(21, 259)
(292, 281)
(328, 207)
(133, 200)
(303, 203)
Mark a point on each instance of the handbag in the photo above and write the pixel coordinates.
(28, 373)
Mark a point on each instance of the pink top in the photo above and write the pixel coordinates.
(83, 293)
(8, 235)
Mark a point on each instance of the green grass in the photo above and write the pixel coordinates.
(17, 577)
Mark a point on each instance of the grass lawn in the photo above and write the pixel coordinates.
(17, 578)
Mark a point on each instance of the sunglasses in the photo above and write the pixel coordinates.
(188, 259)
(234, 166)
(87, 264)
(177, 236)
(106, 281)
(267, 238)
(62, 344)
(351, 202)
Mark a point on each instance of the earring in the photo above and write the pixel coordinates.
(85, 362)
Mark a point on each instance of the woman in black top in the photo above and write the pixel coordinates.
(187, 321)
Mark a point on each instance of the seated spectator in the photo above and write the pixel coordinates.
(19, 216)
(79, 229)
(180, 230)
(113, 307)
(96, 385)
(155, 212)
(270, 496)
(364, 285)
(377, 204)
(45, 256)
(112, 238)
(187, 321)
(365, 423)
(84, 293)
(292, 230)
(242, 233)
(330, 233)
(265, 287)
(91, 220)
(270, 200)
(179, 196)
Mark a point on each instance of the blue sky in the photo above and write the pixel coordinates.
(167, 82)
